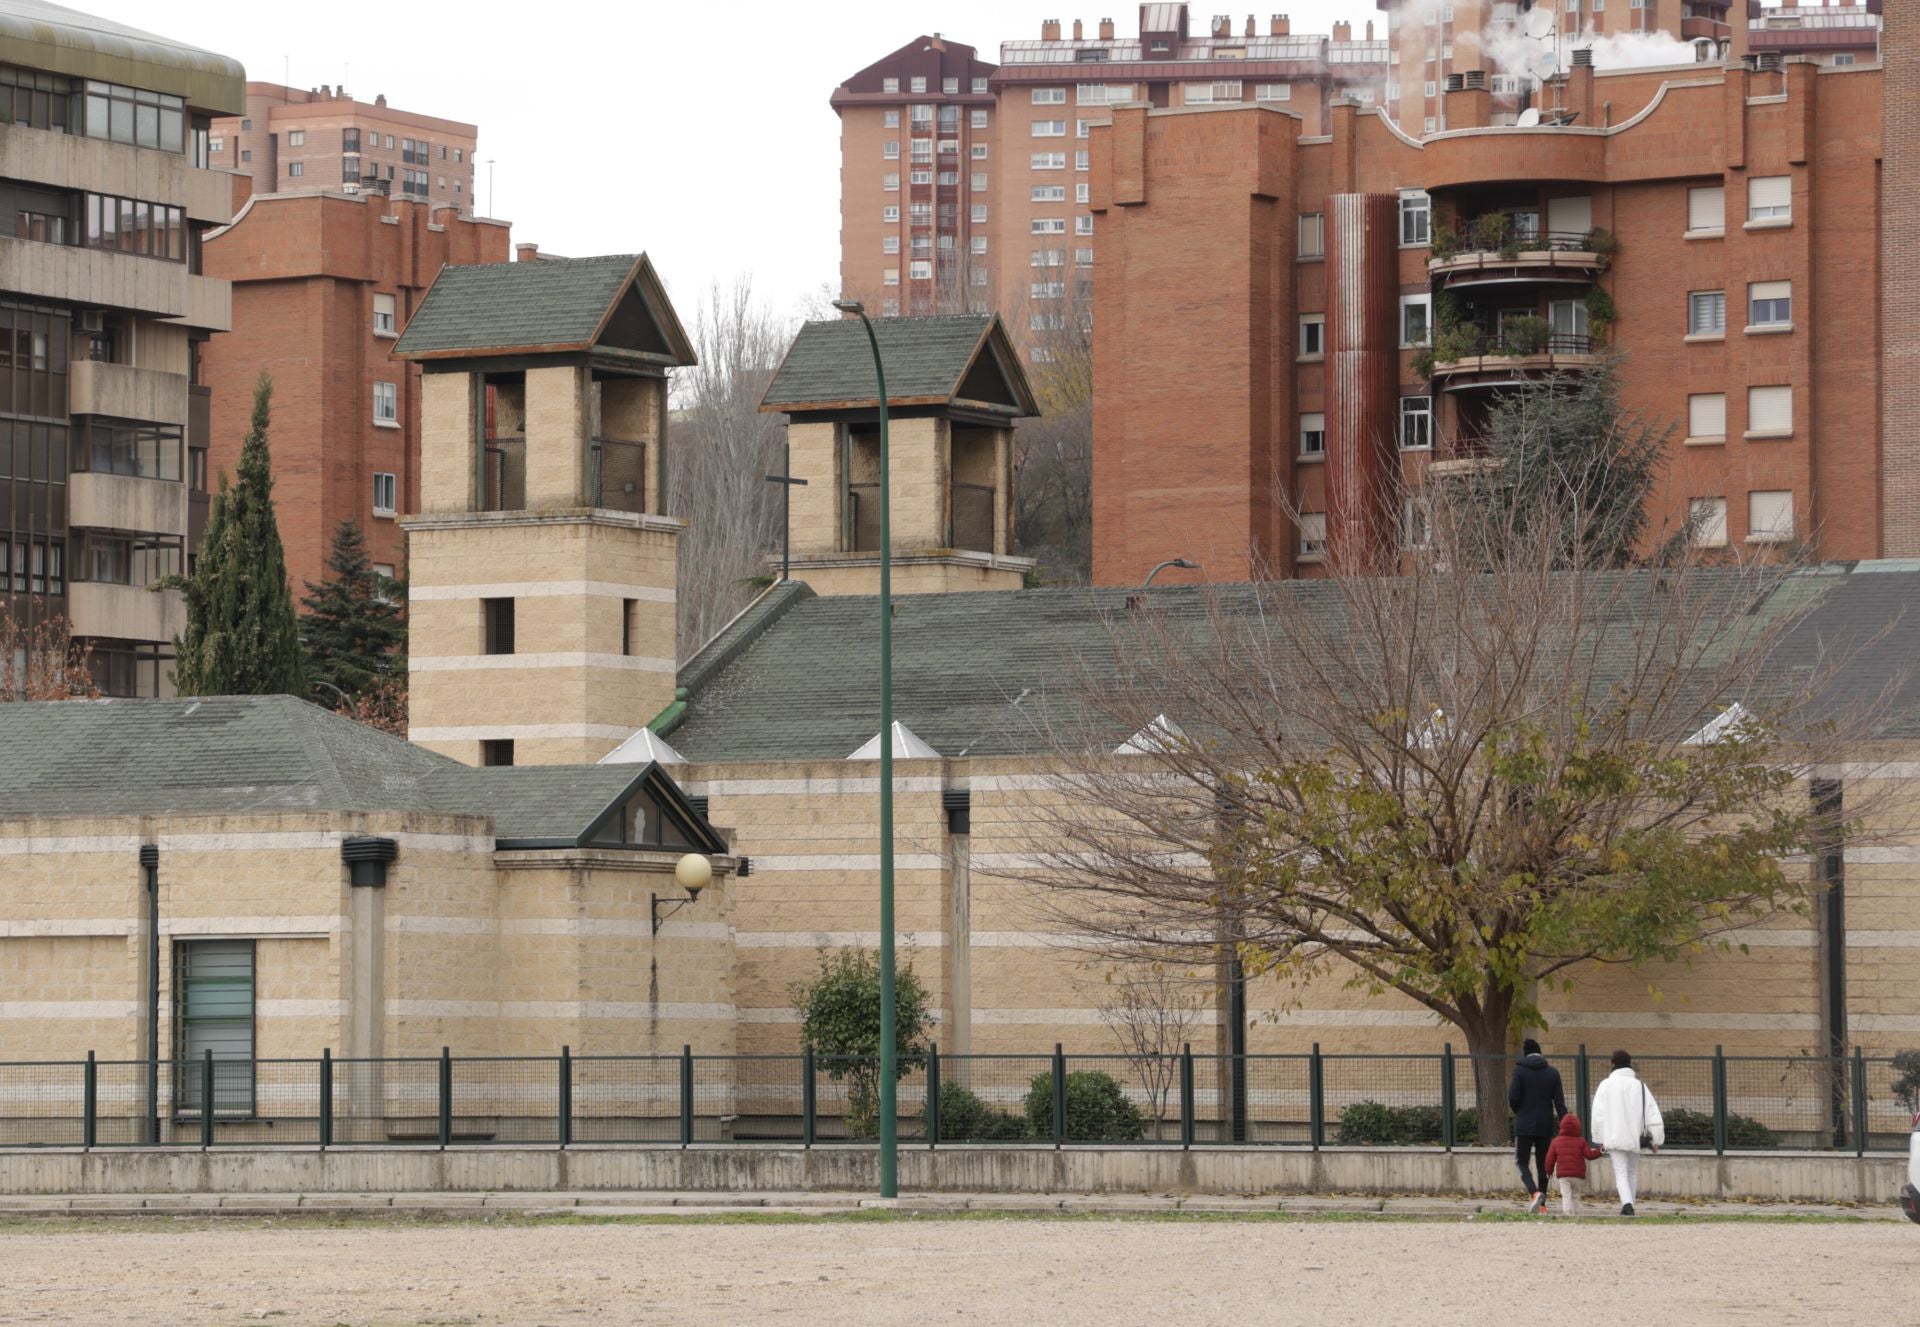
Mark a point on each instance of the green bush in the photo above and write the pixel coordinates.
(964, 1118)
(1371, 1124)
(1694, 1128)
(1906, 1088)
(1526, 335)
(1097, 1109)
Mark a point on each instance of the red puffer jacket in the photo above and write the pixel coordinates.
(1567, 1155)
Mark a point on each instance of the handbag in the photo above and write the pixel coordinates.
(1646, 1134)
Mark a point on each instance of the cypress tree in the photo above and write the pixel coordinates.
(351, 634)
(241, 638)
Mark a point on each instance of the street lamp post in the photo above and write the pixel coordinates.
(1181, 563)
(889, 1095)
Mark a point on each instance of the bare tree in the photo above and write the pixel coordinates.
(1464, 778)
(724, 450)
(1053, 453)
(39, 659)
(1151, 1013)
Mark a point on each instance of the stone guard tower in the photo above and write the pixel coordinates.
(954, 388)
(540, 568)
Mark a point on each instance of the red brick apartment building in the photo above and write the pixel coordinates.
(1270, 303)
(323, 285)
(295, 139)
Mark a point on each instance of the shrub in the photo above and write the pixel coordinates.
(1371, 1124)
(964, 1118)
(1527, 335)
(1694, 1128)
(1097, 1109)
(1493, 232)
(1906, 1088)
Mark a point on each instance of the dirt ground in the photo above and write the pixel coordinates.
(1096, 1272)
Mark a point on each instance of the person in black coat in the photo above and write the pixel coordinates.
(1538, 1102)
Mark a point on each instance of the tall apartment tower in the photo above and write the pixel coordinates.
(324, 282)
(105, 196)
(542, 570)
(321, 138)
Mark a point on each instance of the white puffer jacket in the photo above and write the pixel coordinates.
(1623, 1109)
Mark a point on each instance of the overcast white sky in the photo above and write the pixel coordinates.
(710, 118)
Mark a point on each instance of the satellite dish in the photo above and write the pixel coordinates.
(1545, 66)
(1528, 119)
(1539, 23)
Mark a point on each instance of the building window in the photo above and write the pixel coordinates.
(978, 151)
(1083, 225)
(1416, 213)
(496, 751)
(1084, 257)
(1770, 198)
(978, 211)
(246, 154)
(1707, 522)
(1844, 60)
(920, 177)
(1080, 161)
(890, 215)
(1049, 96)
(1707, 209)
(384, 488)
(979, 182)
(1769, 412)
(1210, 94)
(891, 120)
(1313, 534)
(1707, 416)
(1080, 193)
(979, 86)
(1416, 320)
(215, 1004)
(890, 276)
(890, 149)
(1049, 161)
(890, 182)
(1770, 516)
(383, 314)
(919, 83)
(1048, 226)
(1049, 128)
(496, 626)
(922, 151)
(1416, 523)
(1707, 313)
(889, 85)
(1312, 235)
(950, 86)
(1770, 304)
(890, 244)
(890, 308)
(1048, 193)
(978, 244)
(1416, 424)
(920, 271)
(296, 138)
(1048, 258)
(386, 403)
(1313, 434)
(1273, 92)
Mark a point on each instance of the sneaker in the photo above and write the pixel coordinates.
(1539, 1204)
(1626, 1209)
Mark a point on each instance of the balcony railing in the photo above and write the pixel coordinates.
(617, 475)
(1472, 241)
(972, 524)
(863, 512)
(504, 475)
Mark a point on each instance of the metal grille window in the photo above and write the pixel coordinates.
(386, 403)
(1707, 313)
(216, 1014)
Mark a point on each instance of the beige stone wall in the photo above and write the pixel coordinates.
(934, 574)
(448, 429)
(559, 421)
(629, 411)
(816, 514)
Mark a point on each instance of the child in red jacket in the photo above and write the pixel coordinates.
(1567, 1158)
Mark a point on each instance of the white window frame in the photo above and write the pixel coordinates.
(1703, 299)
(1707, 522)
(920, 269)
(889, 244)
(1047, 226)
(1311, 437)
(1770, 200)
(1416, 219)
(1273, 92)
(1049, 128)
(1313, 336)
(1770, 293)
(890, 150)
(978, 119)
(1083, 225)
(1310, 232)
(1766, 417)
(386, 404)
(1424, 303)
(1416, 417)
(385, 319)
(1049, 97)
(890, 215)
(1313, 536)
(1707, 417)
(1047, 193)
(1707, 210)
(386, 486)
(1770, 531)
(1048, 161)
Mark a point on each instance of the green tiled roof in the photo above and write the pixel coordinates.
(830, 363)
(536, 801)
(974, 674)
(548, 304)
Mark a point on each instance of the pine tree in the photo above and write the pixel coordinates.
(353, 635)
(241, 637)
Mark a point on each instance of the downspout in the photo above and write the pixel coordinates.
(150, 864)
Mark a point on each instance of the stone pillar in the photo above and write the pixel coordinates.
(1362, 373)
(559, 422)
(1900, 285)
(449, 441)
(957, 1037)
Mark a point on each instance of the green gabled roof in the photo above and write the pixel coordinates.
(989, 673)
(928, 362)
(546, 306)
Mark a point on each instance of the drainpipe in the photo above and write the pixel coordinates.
(150, 864)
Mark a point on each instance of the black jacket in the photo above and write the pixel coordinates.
(1536, 1098)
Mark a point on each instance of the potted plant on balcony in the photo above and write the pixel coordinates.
(1529, 334)
(1493, 233)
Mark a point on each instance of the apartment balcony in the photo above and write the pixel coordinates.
(125, 392)
(1468, 359)
(69, 161)
(1707, 29)
(125, 612)
(151, 286)
(1480, 256)
(126, 502)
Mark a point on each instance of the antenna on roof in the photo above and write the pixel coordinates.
(1527, 119)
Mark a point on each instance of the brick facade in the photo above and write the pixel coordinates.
(1900, 287)
(305, 270)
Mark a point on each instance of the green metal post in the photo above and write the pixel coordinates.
(1317, 1099)
(1859, 1103)
(326, 1096)
(90, 1104)
(1448, 1096)
(1719, 1101)
(809, 1101)
(446, 1096)
(686, 1096)
(1059, 1095)
(933, 1096)
(566, 1096)
(1583, 1091)
(1186, 1094)
(206, 1100)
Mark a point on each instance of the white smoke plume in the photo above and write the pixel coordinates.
(1511, 51)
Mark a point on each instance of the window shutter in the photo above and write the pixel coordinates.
(1769, 409)
(1760, 290)
(1313, 532)
(1707, 415)
(1707, 208)
(1770, 514)
(1769, 191)
(1572, 216)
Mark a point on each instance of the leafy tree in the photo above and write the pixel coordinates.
(353, 634)
(840, 1018)
(241, 637)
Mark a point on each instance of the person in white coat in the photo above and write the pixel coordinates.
(1624, 1112)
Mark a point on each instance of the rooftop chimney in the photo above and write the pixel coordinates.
(1281, 26)
(1369, 29)
(1343, 31)
(1050, 29)
(1583, 56)
(1106, 29)
(526, 253)
(380, 100)
(1077, 34)
(1251, 31)
(1223, 25)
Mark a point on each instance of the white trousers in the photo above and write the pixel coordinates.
(1626, 1173)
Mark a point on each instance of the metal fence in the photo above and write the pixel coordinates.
(1713, 1103)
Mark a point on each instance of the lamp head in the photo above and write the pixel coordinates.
(1185, 565)
(693, 873)
(849, 306)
